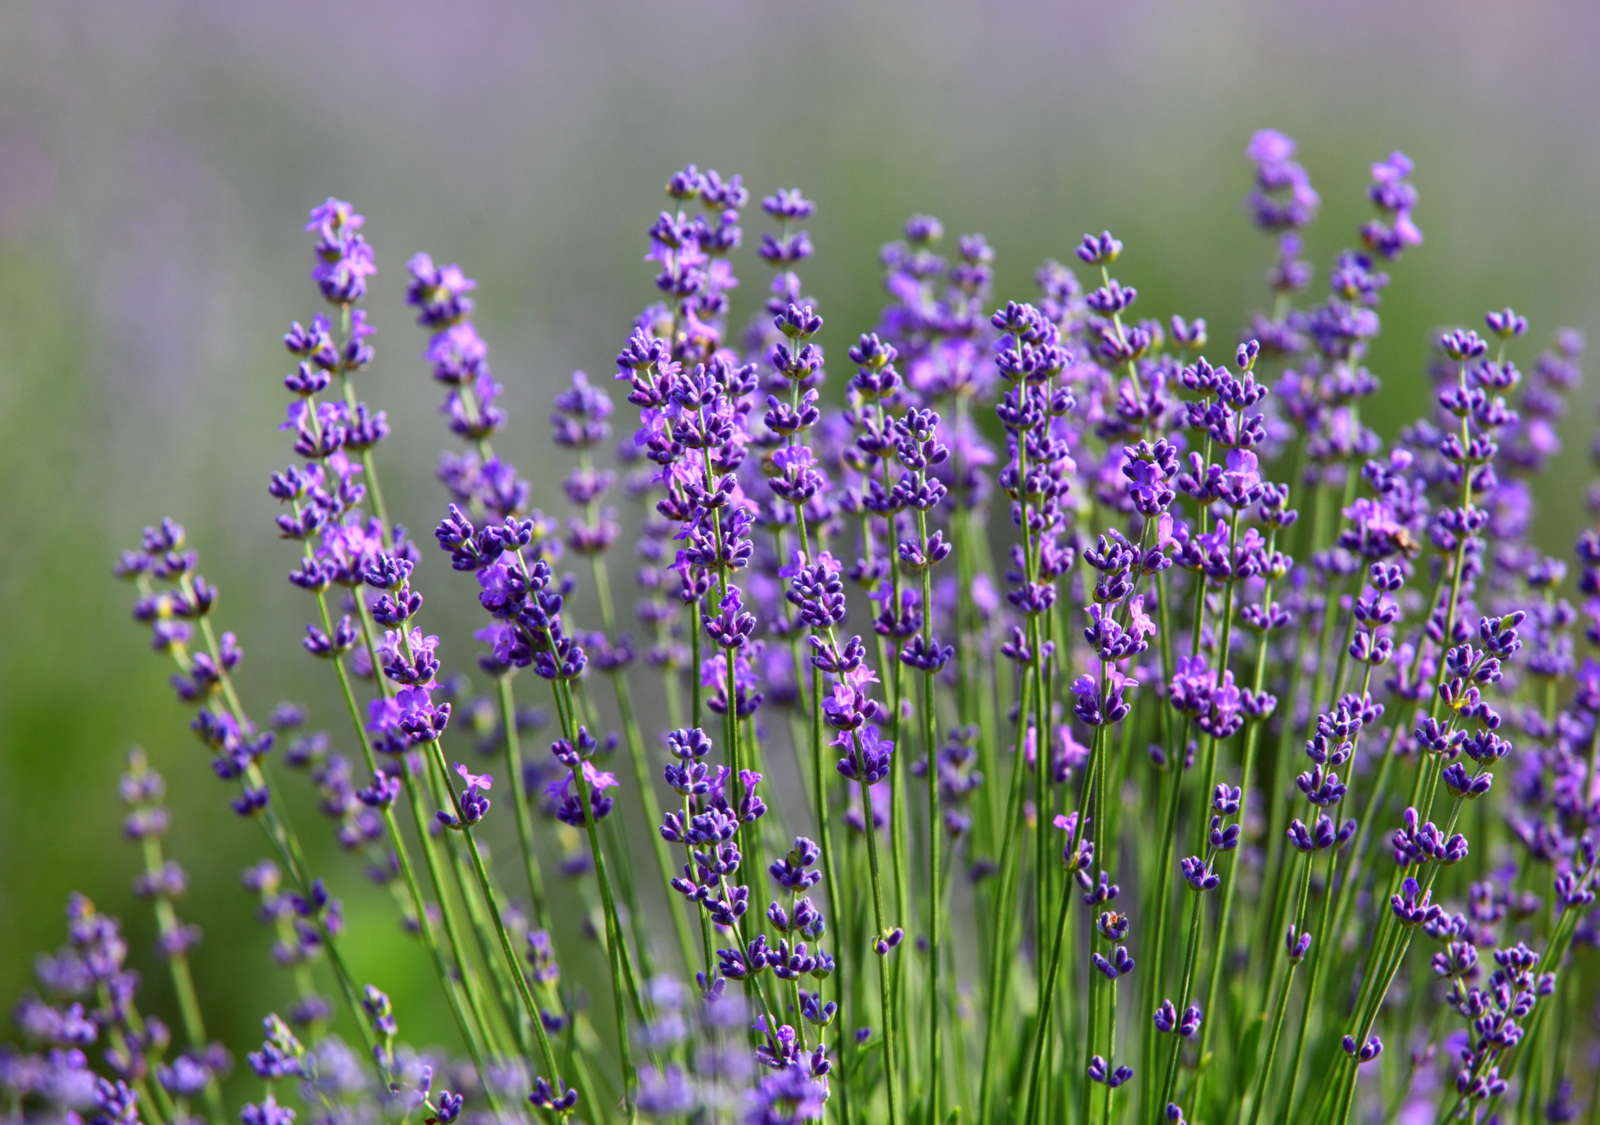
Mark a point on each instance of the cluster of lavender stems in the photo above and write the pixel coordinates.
(1044, 721)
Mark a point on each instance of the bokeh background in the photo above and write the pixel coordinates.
(157, 160)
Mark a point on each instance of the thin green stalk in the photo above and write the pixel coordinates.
(884, 996)
(696, 708)
(820, 805)
(1230, 880)
(152, 1096)
(1092, 769)
(1178, 753)
(1004, 904)
(1173, 779)
(623, 980)
(637, 756)
(1207, 779)
(935, 840)
(491, 901)
(898, 802)
(1325, 934)
(1169, 1083)
(1281, 1011)
(183, 988)
(523, 815)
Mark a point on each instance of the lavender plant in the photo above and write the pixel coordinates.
(1045, 722)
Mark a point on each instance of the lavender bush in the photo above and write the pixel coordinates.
(1125, 717)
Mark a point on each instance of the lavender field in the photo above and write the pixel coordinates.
(739, 647)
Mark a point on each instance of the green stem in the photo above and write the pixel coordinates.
(1092, 770)
(492, 902)
(884, 996)
(194, 1027)
(637, 758)
(523, 814)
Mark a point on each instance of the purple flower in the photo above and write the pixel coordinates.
(1184, 1026)
(867, 753)
(1198, 874)
(267, 1112)
(344, 260)
(1100, 1071)
(1362, 1052)
(1283, 198)
(570, 807)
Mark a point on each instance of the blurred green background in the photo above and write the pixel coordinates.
(157, 161)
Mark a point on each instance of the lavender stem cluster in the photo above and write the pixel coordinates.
(1048, 719)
